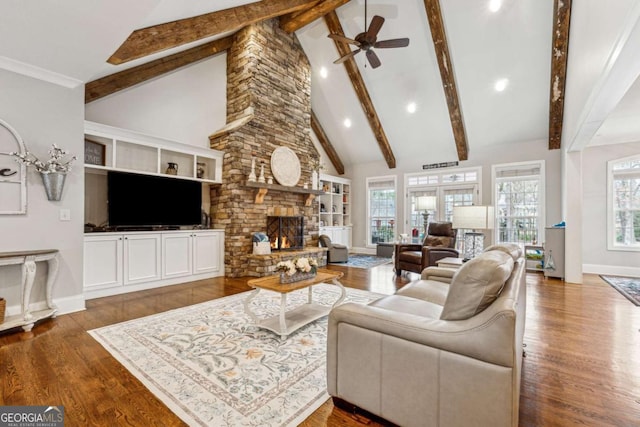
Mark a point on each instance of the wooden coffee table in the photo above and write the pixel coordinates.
(288, 322)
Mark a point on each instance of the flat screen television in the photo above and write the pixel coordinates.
(152, 201)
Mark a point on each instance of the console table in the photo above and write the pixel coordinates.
(28, 259)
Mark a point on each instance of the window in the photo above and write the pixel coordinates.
(381, 209)
(624, 204)
(519, 201)
(451, 188)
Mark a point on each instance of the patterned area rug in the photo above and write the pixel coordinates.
(627, 286)
(363, 261)
(212, 369)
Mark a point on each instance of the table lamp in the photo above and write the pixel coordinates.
(473, 218)
(426, 204)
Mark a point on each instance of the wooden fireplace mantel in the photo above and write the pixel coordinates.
(263, 189)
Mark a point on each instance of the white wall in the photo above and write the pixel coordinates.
(596, 257)
(43, 114)
(185, 106)
(514, 152)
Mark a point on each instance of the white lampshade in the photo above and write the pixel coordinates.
(426, 203)
(473, 217)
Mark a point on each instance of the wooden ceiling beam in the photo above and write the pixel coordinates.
(157, 38)
(559, 56)
(326, 144)
(294, 21)
(107, 85)
(333, 23)
(439, 36)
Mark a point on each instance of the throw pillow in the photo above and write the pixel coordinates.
(476, 285)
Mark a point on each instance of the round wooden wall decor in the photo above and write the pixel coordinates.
(285, 166)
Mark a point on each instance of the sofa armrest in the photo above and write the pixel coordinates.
(488, 336)
(408, 247)
(432, 254)
(338, 246)
(438, 274)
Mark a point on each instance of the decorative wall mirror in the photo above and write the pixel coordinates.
(13, 175)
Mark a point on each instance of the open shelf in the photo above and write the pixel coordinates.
(130, 151)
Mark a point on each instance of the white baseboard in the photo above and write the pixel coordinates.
(613, 270)
(65, 305)
(366, 251)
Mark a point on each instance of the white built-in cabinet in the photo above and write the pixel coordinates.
(186, 254)
(116, 263)
(333, 209)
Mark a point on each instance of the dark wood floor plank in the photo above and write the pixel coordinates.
(582, 366)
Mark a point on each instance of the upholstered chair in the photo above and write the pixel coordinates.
(337, 252)
(439, 243)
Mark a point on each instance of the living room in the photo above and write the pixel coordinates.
(188, 105)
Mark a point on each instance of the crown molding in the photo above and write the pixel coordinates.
(38, 73)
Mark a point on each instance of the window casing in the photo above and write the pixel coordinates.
(623, 204)
(381, 209)
(519, 201)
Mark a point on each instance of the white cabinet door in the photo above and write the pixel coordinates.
(345, 236)
(141, 258)
(177, 255)
(102, 261)
(206, 251)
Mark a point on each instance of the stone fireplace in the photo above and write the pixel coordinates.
(268, 106)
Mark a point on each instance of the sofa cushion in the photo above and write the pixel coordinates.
(512, 249)
(404, 304)
(476, 285)
(426, 290)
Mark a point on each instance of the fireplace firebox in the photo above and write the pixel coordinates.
(285, 232)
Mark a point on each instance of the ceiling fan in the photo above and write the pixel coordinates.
(367, 40)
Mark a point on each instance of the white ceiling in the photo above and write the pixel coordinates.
(73, 38)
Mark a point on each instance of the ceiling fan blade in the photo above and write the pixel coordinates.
(373, 59)
(347, 56)
(343, 39)
(392, 43)
(374, 27)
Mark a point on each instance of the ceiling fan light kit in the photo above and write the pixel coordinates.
(367, 41)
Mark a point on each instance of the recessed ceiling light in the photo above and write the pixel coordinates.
(411, 107)
(501, 84)
(495, 5)
(347, 123)
(324, 72)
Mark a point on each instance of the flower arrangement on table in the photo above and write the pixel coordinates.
(297, 269)
(56, 162)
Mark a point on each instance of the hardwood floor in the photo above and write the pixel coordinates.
(582, 365)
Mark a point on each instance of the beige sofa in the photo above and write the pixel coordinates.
(445, 350)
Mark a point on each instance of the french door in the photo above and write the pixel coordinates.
(447, 196)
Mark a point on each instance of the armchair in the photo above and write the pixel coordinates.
(439, 243)
(336, 252)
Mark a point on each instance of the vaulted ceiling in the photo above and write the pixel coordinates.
(458, 51)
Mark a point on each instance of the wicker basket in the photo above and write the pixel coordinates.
(3, 306)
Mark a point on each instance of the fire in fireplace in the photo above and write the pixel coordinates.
(285, 232)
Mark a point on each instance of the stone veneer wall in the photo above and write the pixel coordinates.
(267, 73)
